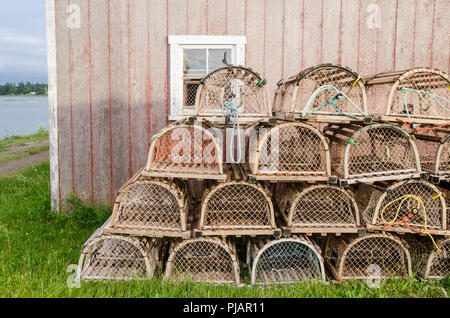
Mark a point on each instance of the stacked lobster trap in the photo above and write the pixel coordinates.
(326, 185)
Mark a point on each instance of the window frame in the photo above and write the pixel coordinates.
(177, 43)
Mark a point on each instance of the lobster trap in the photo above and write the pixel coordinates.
(235, 92)
(420, 201)
(372, 153)
(374, 256)
(186, 150)
(157, 208)
(418, 95)
(119, 257)
(290, 152)
(429, 262)
(209, 260)
(434, 151)
(318, 209)
(237, 208)
(282, 261)
(326, 93)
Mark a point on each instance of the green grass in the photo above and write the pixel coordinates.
(8, 142)
(37, 245)
(23, 153)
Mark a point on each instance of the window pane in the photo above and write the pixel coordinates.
(219, 58)
(194, 62)
(190, 91)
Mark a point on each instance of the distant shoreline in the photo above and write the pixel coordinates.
(29, 95)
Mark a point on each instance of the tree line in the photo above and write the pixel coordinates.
(23, 89)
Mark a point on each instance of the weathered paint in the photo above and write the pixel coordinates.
(109, 79)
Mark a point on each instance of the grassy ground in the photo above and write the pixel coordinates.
(36, 246)
(23, 153)
(9, 142)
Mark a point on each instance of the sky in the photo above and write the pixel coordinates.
(22, 41)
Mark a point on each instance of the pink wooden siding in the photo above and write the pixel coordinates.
(112, 73)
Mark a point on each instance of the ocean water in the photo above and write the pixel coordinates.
(22, 115)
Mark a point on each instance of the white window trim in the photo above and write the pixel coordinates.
(176, 43)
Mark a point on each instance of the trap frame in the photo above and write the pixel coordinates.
(185, 150)
(290, 151)
(376, 152)
(434, 151)
(146, 207)
(418, 95)
(119, 257)
(320, 208)
(237, 208)
(377, 256)
(385, 209)
(284, 261)
(233, 91)
(428, 262)
(323, 93)
(210, 260)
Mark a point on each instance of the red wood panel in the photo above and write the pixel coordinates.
(331, 36)
(293, 25)
(386, 36)
(177, 17)
(423, 37)
(196, 17)
(119, 92)
(441, 36)
(350, 33)
(100, 102)
(406, 14)
(274, 42)
(255, 28)
(217, 17)
(64, 107)
(236, 17)
(81, 75)
(312, 33)
(368, 38)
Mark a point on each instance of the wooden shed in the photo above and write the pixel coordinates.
(120, 70)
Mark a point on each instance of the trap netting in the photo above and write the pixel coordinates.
(420, 93)
(372, 153)
(210, 260)
(119, 257)
(237, 207)
(318, 209)
(188, 150)
(429, 262)
(282, 261)
(434, 153)
(323, 91)
(151, 208)
(233, 91)
(291, 149)
(420, 201)
(375, 256)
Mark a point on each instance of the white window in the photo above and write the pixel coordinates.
(192, 57)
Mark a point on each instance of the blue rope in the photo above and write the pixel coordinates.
(436, 98)
(232, 112)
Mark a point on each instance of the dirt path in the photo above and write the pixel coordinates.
(9, 167)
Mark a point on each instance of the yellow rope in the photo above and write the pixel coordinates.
(420, 204)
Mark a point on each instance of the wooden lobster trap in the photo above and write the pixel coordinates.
(290, 152)
(434, 151)
(420, 201)
(415, 96)
(147, 207)
(119, 257)
(374, 256)
(324, 93)
(186, 150)
(372, 153)
(284, 261)
(319, 208)
(235, 93)
(211, 260)
(237, 208)
(428, 261)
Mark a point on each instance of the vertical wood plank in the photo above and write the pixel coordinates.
(350, 33)
(236, 17)
(292, 59)
(255, 35)
(368, 40)
(331, 31)
(217, 17)
(441, 36)
(177, 17)
(196, 17)
(406, 13)
(386, 36)
(424, 33)
(100, 102)
(274, 46)
(119, 92)
(138, 51)
(312, 33)
(81, 105)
